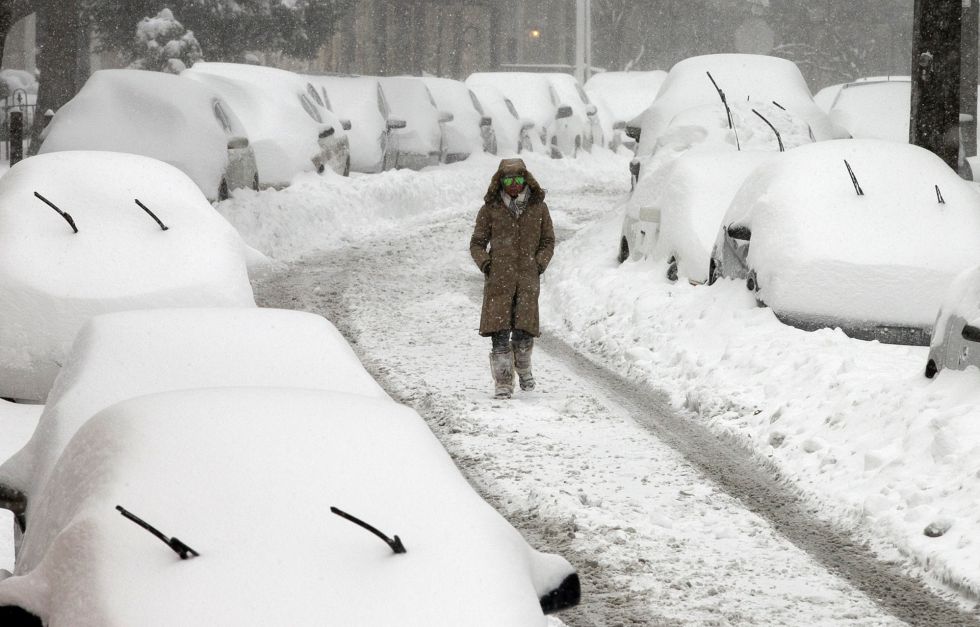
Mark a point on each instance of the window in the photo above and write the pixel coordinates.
(511, 108)
(311, 90)
(476, 103)
(310, 108)
(222, 117)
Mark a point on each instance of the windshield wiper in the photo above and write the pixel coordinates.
(724, 101)
(63, 214)
(394, 543)
(151, 214)
(175, 545)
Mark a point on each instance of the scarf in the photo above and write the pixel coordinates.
(516, 206)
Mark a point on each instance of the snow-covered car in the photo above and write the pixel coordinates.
(570, 92)
(272, 506)
(955, 340)
(560, 132)
(87, 232)
(674, 214)
(876, 109)
(158, 115)
(289, 131)
(512, 133)
(861, 234)
(121, 355)
(373, 140)
(471, 129)
(421, 142)
(620, 97)
(729, 78)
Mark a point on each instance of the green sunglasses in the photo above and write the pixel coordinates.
(510, 180)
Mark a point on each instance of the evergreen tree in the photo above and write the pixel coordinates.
(163, 44)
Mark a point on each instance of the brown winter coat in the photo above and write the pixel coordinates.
(518, 251)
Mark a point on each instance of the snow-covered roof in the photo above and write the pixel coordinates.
(625, 94)
(148, 113)
(821, 249)
(198, 465)
(53, 280)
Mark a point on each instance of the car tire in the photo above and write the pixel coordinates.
(714, 273)
(672, 270)
(223, 193)
(255, 182)
(931, 369)
(347, 167)
(624, 250)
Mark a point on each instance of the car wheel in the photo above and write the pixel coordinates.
(578, 145)
(750, 283)
(672, 270)
(223, 193)
(624, 250)
(255, 182)
(931, 369)
(347, 167)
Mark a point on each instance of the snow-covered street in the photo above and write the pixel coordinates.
(637, 457)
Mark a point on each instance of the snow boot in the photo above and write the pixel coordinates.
(502, 368)
(522, 362)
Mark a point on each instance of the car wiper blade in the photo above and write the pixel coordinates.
(854, 181)
(63, 214)
(151, 214)
(728, 111)
(939, 196)
(778, 136)
(394, 543)
(175, 545)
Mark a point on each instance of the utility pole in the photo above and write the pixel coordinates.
(583, 40)
(936, 77)
(968, 75)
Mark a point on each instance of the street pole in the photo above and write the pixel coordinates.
(583, 40)
(936, 78)
(968, 75)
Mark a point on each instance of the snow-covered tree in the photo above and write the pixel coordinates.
(163, 44)
(226, 29)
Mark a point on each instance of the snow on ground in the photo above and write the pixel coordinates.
(854, 424)
(871, 443)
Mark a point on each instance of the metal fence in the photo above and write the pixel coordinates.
(24, 103)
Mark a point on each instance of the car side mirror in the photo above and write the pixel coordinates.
(345, 124)
(327, 132)
(591, 109)
(237, 143)
(445, 116)
(619, 125)
(971, 333)
(739, 231)
(564, 111)
(633, 132)
(395, 124)
(486, 121)
(566, 595)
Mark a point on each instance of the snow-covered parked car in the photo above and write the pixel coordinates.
(87, 232)
(360, 99)
(876, 109)
(420, 142)
(620, 97)
(512, 133)
(557, 130)
(121, 355)
(861, 234)
(158, 115)
(258, 497)
(956, 336)
(674, 214)
(570, 92)
(289, 131)
(738, 78)
(471, 129)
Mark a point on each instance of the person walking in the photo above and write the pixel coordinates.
(512, 244)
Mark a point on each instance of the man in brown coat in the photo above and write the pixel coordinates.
(512, 243)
